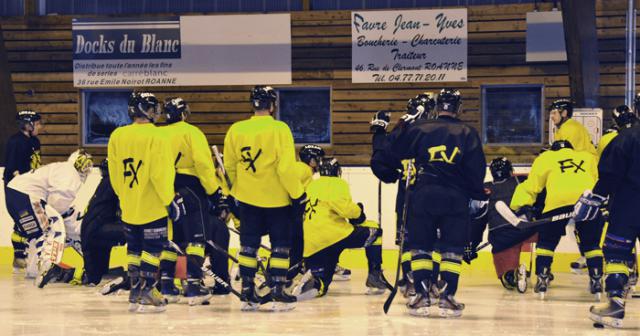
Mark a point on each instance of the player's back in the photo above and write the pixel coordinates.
(326, 217)
(255, 150)
(568, 174)
(141, 173)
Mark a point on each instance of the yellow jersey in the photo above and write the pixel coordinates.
(259, 156)
(565, 173)
(577, 135)
(191, 154)
(327, 214)
(304, 173)
(605, 140)
(141, 172)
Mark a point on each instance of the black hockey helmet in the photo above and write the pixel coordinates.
(623, 116)
(329, 166)
(262, 97)
(175, 109)
(562, 105)
(449, 100)
(311, 152)
(560, 144)
(501, 168)
(27, 118)
(140, 103)
(421, 105)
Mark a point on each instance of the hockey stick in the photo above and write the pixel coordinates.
(394, 291)
(506, 213)
(216, 153)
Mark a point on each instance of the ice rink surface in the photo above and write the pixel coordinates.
(61, 309)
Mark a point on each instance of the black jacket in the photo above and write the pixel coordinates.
(19, 153)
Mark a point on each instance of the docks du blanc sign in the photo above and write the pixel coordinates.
(182, 51)
(409, 46)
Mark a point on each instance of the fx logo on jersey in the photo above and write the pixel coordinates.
(131, 170)
(570, 164)
(311, 208)
(248, 158)
(439, 153)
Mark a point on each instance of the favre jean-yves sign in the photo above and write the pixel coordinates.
(409, 46)
(182, 51)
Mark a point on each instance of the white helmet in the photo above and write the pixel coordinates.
(82, 162)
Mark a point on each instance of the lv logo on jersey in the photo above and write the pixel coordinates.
(311, 208)
(570, 164)
(130, 170)
(439, 153)
(249, 159)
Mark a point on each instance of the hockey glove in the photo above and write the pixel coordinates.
(361, 218)
(527, 213)
(214, 200)
(176, 208)
(299, 205)
(380, 121)
(478, 208)
(470, 253)
(588, 206)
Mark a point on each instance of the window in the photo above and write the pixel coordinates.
(102, 112)
(307, 111)
(512, 114)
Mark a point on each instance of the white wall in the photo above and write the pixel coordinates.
(364, 188)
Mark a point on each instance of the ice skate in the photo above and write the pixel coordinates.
(579, 266)
(220, 289)
(341, 274)
(542, 284)
(169, 290)
(281, 301)
(151, 301)
(610, 313)
(521, 279)
(376, 283)
(195, 293)
(419, 305)
(595, 286)
(449, 307)
(134, 295)
(249, 297)
(115, 286)
(308, 288)
(19, 265)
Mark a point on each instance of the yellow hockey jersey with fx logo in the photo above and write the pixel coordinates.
(191, 154)
(141, 172)
(259, 157)
(565, 173)
(327, 214)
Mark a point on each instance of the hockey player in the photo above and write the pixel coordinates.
(56, 185)
(419, 107)
(22, 154)
(333, 223)
(196, 182)
(260, 161)
(619, 182)
(507, 241)
(101, 229)
(450, 168)
(560, 112)
(622, 117)
(142, 175)
(565, 173)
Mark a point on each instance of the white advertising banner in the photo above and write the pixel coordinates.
(409, 46)
(182, 51)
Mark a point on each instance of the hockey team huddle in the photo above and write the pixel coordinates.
(164, 194)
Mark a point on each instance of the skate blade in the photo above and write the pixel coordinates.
(249, 306)
(199, 300)
(607, 321)
(374, 291)
(278, 307)
(420, 312)
(171, 298)
(450, 313)
(133, 307)
(151, 309)
(337, 277)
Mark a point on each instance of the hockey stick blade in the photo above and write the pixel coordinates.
(503, 209)
(216, 153)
